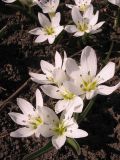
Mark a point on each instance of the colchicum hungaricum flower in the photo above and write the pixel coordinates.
(53, 74)
(32, 119)
(69, 101)
(115, 2)
(86, 23)
(24, 2)
(85, 79)
(62, 128)
(82, 5)
(48, 6)
(49, 30)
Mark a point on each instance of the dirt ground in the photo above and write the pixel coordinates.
(19, 55)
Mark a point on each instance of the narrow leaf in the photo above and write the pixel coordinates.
(74, 144)
(2, 31)
(38, 153)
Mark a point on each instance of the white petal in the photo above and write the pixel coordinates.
(98, 25)
(58, 30)
(58, 60)
(25, 106)
(8, 1)
(78, 104)
(38, 131)
(51, 39)
(72, 68)
(49, 116)
(88, 61)
(94, 19)
(78, 34)
(22, 132)
(71, 28)
(46, 131)
(69, 5)
(58, 141)
(39, 78)
(89, 12)
(41, 38)
(106, 73)
(51, 91)
(105, 90)
(39, 99)
(46, 67)
(61, 105)
(76, 15)
(44, 21)
(18, 118)
(56, 19)
(64, 61)
(78, 133)
(59, 76)
(36, 31)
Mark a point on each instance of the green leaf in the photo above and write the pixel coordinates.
(38, 153)
(74, 144)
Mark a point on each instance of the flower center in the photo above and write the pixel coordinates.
(88, 85)
(35, 122)
(82, 26)
(49, 30)
(83, 7)
(67, 95)
(60, 129)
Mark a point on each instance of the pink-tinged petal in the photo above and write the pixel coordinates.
(56, 19)
(78, 34)
(41, 38)
(22, 132)
(76, 133)
(44, 21)
(71, 28)
(25, 106)
(51, 91)
(46, 131)
(61, 106)
(51, 39)
(58, 141)
(105, 90)
(69, 5)
(39, 99)
(8, 1)
(18, 118)
(94, 19)
(36, 31)
(88, 62)
(76, 15)
(91, 94)
(106, 73)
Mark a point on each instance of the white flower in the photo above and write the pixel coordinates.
(82, 5)
(115, 2)
(61, 129)
(49, 30)
(24, 2)
(84, 24)
(85, 79)
(52, 74)
(32, 118)
(48, 6)
(69, 101)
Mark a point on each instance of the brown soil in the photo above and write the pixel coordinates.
(19, 54)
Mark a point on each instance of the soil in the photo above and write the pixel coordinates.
(19, 55)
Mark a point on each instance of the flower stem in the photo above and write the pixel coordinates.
(86, 110)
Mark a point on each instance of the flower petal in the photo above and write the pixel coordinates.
(44, 21)
(46, 67)
(51, 39)
(22, 132)
(105, 90)
(76, 15)
(51, 91)
(61, 106)
(90, 95)
(58, 141)
(94, 19)
(41, 38)
(37, 31)
(76, 133)
(56, 19)
(18, 118)
(46, 131)
(88, 62)
(39, 99)
(58, 60)
(71, 28)
(106, 73)
(25, 106)
(39, 78)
